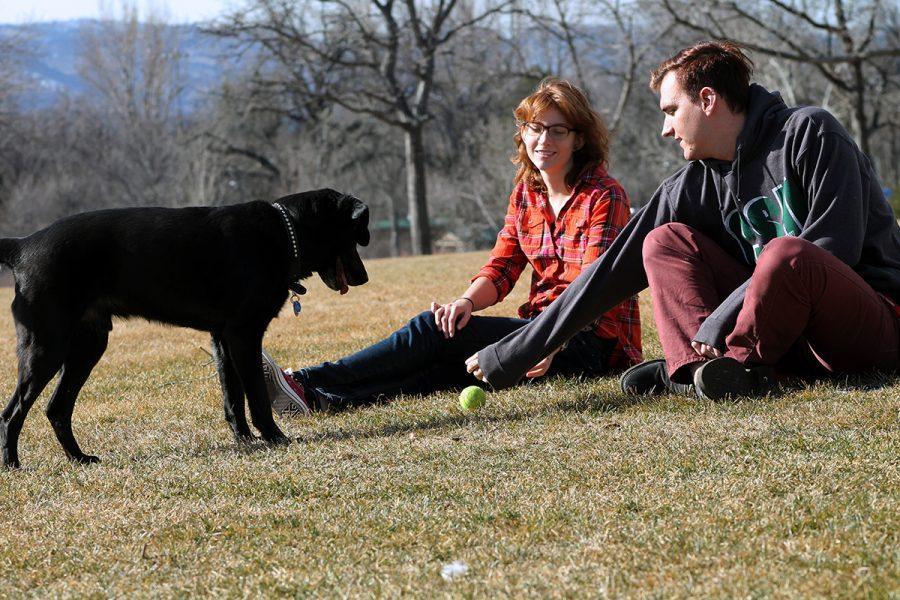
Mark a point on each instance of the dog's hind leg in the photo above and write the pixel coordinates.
(38, 363)
(87, 346)
(232, 390)
(245, 349)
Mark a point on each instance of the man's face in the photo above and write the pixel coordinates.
(686, 120)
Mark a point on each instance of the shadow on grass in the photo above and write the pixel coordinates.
(870, 381)
(583, 403)
(867, 382)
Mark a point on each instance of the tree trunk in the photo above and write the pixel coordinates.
(859, 109)
(419, 229)
(894, 162)
(396, 249)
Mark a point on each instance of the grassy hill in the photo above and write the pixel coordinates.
(559, 488)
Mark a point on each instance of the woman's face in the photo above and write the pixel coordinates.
(550, 150)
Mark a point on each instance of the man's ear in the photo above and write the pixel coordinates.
(708, 100)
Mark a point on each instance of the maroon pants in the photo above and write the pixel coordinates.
(804, 310)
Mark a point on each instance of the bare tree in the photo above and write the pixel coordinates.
(606, 43)
(850, 43)
(368, 57)
(14, 51)
(562, 22)
(243, 131)
(133, 69)
(609, 46)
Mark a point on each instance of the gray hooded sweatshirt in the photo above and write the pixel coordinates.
(796, 172)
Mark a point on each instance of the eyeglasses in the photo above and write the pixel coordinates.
(555, 132)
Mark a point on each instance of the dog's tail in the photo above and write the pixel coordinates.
(9, 252)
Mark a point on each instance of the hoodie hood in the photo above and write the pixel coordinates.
(766, 112)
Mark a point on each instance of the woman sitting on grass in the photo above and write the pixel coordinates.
(564, 212)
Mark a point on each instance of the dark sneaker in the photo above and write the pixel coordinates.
(727, 378)
(651, 378)
(285, 393)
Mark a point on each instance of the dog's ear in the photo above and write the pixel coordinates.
(360, 218)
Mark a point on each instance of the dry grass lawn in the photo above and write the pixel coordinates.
(558, 489)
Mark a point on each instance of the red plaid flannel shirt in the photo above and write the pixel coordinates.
(558, 249)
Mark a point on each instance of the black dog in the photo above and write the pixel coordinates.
(224, 270)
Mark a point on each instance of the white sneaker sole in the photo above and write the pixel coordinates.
(287, 401)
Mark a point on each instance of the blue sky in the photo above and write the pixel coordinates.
(176, 11)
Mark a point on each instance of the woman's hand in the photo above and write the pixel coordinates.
(452, 316)
(706, 350)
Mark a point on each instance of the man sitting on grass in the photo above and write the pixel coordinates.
(773, 249)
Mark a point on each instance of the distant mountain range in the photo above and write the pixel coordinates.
(56, 45)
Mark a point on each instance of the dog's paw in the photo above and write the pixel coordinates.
(85, 459)
(10, 457)
(279, 440)
(242, 434)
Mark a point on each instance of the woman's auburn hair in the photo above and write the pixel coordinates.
(568, 99)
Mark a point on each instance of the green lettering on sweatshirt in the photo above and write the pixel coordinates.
(763, 218)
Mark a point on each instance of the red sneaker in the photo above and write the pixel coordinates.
(285, 393)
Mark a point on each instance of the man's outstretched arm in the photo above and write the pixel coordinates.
(616, 275)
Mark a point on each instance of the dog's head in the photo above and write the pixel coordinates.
(330, 225)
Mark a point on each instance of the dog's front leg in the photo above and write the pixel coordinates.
(87, 346)
(232, 391)
(245, 350)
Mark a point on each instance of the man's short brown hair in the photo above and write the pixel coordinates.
(721, 65)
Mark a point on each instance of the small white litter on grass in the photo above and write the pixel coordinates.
(454, 570)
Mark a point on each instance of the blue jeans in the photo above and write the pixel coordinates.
(417, 359)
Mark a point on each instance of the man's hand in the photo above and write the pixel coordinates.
(537, 370)
(706, 351)
(541, 368)
(452, 316)
(473, 367)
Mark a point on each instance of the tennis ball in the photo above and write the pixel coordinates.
(472, 398)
